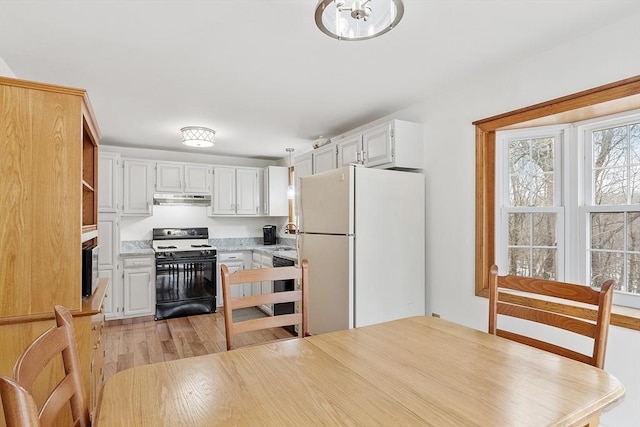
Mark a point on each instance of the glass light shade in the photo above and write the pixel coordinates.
(345, 19)
(197, 136)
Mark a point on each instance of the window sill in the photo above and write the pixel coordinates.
(624, 317)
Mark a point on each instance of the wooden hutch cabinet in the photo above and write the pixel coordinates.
(48, 204)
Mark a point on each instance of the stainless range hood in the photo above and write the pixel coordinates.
(182, 199)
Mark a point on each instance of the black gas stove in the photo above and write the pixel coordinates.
(186, 266)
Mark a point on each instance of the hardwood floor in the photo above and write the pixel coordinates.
(135, 342)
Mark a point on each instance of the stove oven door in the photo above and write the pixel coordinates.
(185, 287)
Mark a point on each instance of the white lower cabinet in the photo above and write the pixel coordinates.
(234, 261)
(266, 286)
(138, 287)
(109, 238)
(256, 287)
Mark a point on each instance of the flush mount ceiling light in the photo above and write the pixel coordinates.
(358, 19)
(197, 136)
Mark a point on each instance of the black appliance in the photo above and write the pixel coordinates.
(186, 266)
(269, 234)
(89, 269)
(282, 286)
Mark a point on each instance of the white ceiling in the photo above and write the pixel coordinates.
(259, 72)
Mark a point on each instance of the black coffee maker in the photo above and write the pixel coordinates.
(269, 234)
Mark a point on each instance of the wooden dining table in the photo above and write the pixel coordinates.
(418, 371)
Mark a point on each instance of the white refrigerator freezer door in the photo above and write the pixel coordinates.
(389, 246)
(327, 202)
(330, 287)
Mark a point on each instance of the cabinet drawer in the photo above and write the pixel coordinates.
(230, 256)
(138, 262)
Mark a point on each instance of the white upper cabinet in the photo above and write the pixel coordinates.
(138, 187)
(108, 182)
(197, 179)
(182, 178)
(169, 177)
(302, 166)
(350, 150)
(276, 180)
(324, 158)
(247, 191)
(378, 145)
(224, 191)
(392, 144)
(235, 191)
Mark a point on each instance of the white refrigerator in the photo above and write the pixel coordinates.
(363, 232)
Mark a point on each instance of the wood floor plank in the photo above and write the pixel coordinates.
(135, 342)
(154, 345)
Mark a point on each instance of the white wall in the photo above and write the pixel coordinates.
(606, 55)
(5, 70)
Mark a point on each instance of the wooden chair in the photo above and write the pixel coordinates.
(233, 329)
(19, 406)
(524, 305)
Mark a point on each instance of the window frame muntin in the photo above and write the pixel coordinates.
(587, 206)
(503, 139)
(604, 100)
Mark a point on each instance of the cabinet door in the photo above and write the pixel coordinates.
(108, 182)
(247, 197)
(238, 290)
(302, 166)
(276, 180)
(324, 158)
(109, 240)
(112, 297)
(256, 287)
(350, 150)
(197, 179)
(169, 177)
(138, 292)
(108, 237)
(138, 192)
(377, 144)
(267, 285)
(224, 191)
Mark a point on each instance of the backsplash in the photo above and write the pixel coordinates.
(140, 228)
(134, 246)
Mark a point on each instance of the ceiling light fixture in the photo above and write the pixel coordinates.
(358, 19)
(291, 191)
(197, 136)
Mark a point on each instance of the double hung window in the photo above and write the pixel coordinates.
(568, 203)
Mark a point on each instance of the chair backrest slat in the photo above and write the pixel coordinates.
(241, 277)
(571, 324)
(273, 298)
(59, 341)
(582, 321)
